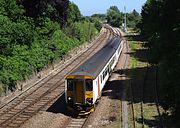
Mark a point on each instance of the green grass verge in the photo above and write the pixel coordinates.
(136, 73)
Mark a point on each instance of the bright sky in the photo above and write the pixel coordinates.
(89, 7)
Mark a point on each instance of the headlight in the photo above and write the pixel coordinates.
(69, 99)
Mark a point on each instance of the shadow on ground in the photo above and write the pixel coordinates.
(59, 106)
(135, 37)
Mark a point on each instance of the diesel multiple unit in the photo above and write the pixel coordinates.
(84, 85)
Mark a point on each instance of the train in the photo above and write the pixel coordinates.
(83, 86)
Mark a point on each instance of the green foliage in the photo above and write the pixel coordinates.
(53, 9)
(61, 44)
(161, 28)
(83, 31)
(102, 17)
(133, 19)
(97, 24)
(114, 16)
(115, 9)
(30, 41)
(11, 9)
(46, 27)
(74, 14)
(12, 33)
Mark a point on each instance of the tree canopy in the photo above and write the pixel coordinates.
(161, 28)
(133, 19)
(114, 16)
(34, 34)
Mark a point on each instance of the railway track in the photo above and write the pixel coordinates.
(43, 94)
(76, 123)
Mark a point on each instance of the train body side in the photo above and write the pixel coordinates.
(104, 75)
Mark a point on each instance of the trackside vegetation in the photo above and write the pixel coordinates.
(34, 34)
(161, 28)
(115, 18)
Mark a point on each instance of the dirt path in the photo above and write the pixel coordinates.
(124, 102)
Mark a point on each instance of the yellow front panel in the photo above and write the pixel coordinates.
(89, 94)
(79, 92)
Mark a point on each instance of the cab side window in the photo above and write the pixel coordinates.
(89, 86)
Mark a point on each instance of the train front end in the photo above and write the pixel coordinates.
(79, 94)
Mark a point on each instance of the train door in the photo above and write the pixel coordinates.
(79, 91)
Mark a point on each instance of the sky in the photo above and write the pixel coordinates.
(89, 7)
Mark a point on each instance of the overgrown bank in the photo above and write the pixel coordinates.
(34, 34)
(161, 28)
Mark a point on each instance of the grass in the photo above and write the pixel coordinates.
(133, 61)
(134, 45)
(136, 72)
(2, 90)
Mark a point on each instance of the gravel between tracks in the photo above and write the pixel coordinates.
(47, 120)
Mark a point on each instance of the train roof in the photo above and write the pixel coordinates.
(94, 65)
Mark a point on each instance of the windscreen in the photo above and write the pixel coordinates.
(70, 84)
(89, 86)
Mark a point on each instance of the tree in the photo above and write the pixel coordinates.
(135, 13)
(74, 14)
(101, 17)
(11, 9)
(15, 28)
(114, 16)
(115, 8)
(133, 18)
(56, 10)
(33, 35)
(161, 28)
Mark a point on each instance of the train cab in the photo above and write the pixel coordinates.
(79, 94)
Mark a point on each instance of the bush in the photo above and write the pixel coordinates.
(29, 44)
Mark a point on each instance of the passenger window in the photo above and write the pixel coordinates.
(101, 78)
(89, 86)
(70, 84)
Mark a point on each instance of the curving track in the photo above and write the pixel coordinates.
(44, 93)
